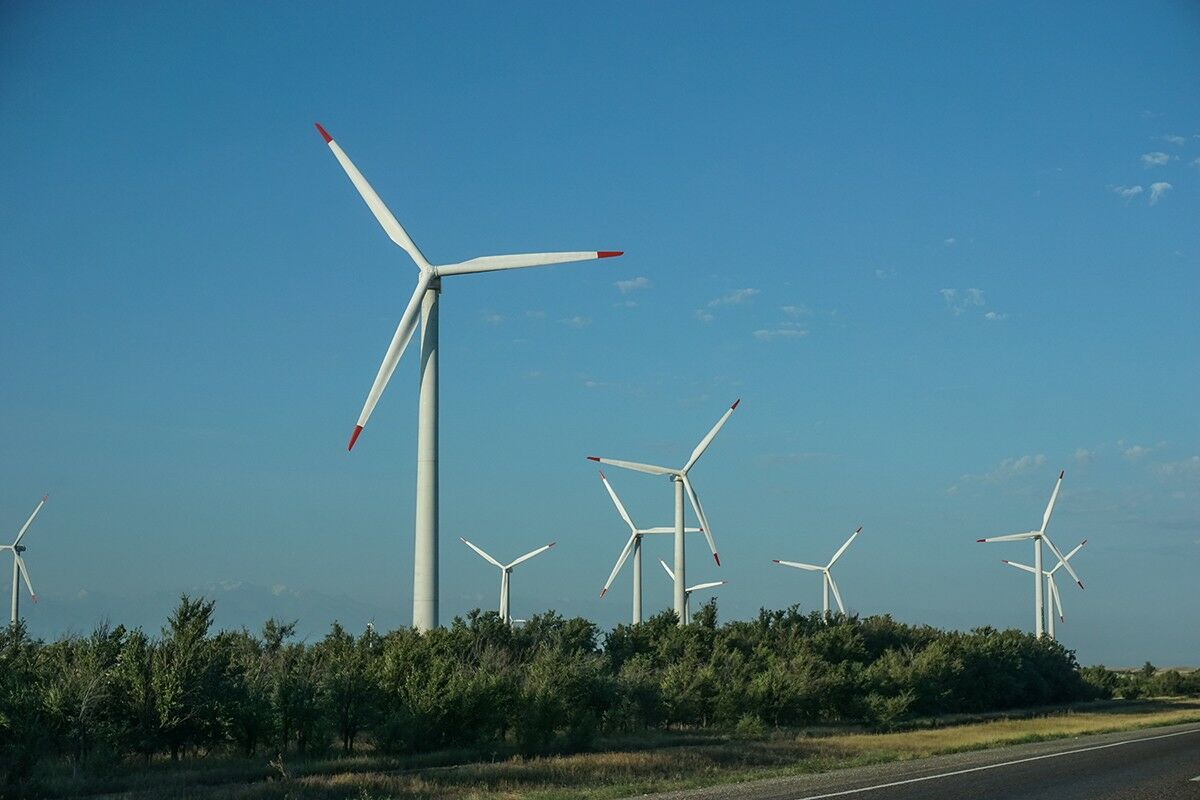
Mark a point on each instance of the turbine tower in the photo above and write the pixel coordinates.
(679, 477)
(1051, 587)
(19, 568)
(1038, 536)
(632, 546)
(687, 593)
(505, 571)
(424, 301)
(827, 581)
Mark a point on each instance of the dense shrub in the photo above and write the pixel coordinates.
(552, 684)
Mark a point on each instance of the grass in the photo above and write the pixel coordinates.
(628, 766)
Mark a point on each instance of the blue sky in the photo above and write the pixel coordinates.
(939, 252)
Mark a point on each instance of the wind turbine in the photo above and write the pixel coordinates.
(19, 568)
(1038, 536)
(634, 546)
(1051, 587)
(679, 477)
(424, 301)
(827, 581)
(687, 593)
(505, 571)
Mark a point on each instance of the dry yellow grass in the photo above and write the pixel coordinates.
(660, 766)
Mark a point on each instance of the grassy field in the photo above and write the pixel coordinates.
(625, 767)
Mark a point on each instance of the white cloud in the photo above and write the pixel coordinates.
(992, 316)
(975, 297)
(1006, 469)
(949, 242)
(734, 298)
(1128, 192)
(535, 314)
(632, 285)
(576, 321)
(1174, 138)
(1187, 466)
(493, 318)
(1196, 163)
(794, 311)
(1135, 452)
(702, 315)
(884, 274)
(626, 304)
(1155, 159)
(1157, 190)
(960, 302)
(1084, 456)
(770, 334)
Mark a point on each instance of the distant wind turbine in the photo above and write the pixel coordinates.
(1051, 587)
(424, 301)
(19, 568)
(634, 547)
(505, 571)
(827, 581)
(1038, 536)
(679, 477)
(687, 593)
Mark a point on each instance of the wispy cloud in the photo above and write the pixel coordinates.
(632, 285)
(1196, 163)
(1128, 192)
(1155, 159)
(1174, 138)
(1084, 456)
(884, 274)
(626, 304)
(734, 298)
(992, 316)
(783, 330)
(1188, 466)
(795, 311)
(1157, 190)
(492, 318)
(702, 315)
(1134, 452)
(535, 314)
(576, 321)
(958, 302)
(1006, 469)
(949, 242)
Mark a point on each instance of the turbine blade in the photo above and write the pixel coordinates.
(798, 565)
(670, 574)
(612, 576)
(390, 225)
(704, 526)
(1066, 564)
(1018, 566)
(617, 502)
(493, 263)
(29, 521)
(633, 465)
(531, 554)
(25, 574)
(1057, 600)
(836, 594)
(842, 549)
(666, 529)
(1053, 500)
(708, 437)
(400, 340)
(485, 556)
(1012, 537)
(710, 585)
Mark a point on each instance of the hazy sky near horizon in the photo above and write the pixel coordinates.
(941, 251)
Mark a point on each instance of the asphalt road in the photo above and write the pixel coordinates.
(1151, 764)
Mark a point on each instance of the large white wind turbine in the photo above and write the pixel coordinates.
(505, 571)
(679, 477)
(19, 568)
(1038, 537)
(424, 301)
(827, 581)
(687, 593)
(632, 546)
(1051, 586)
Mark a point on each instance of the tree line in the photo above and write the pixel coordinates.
(121, 695)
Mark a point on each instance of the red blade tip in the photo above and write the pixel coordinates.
(735, 402)
(603, 592)
(592, 458)
(717, 558)
(981, 540)
(354, 437)
(775, 560)
(46, 497)
(1004, 561)
(1084, 541)
(324, 135)
(610, 253)
(552, 544)
(33, 597)
(1080, 584)
(1061, 473)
